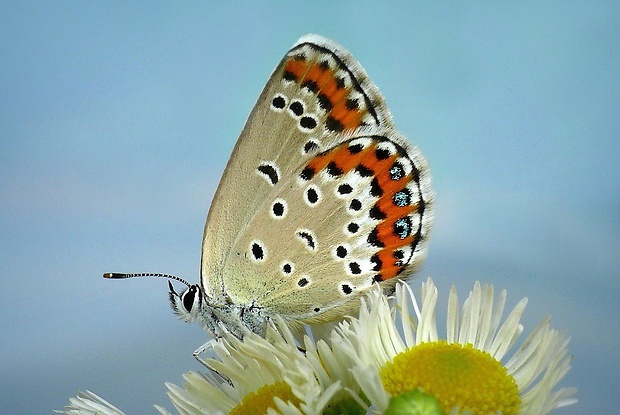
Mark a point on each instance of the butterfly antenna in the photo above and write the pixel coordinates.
(120, 275)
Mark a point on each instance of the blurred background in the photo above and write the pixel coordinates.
(117, 119)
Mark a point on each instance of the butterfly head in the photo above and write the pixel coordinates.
(187, 304)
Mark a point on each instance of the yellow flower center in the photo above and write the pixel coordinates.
(259, 401)
(457, 375)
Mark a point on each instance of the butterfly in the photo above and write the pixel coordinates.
(321, 200)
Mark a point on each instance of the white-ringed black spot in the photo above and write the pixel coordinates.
(308, 123)
(402, 198)
(346, 289)
(258, 251)
(279, 209)
(313, 195)
(303, 281)
(355, 205)
(382, 153)
(356, 148)
(355, 268)
(402, 227)
(278, 103)
(345, 189)
(353, 227)
(316, 309)
(307, 237)
(310, 147)
(287, 268)
(341, 251)
(307, 173)
(296, 108)
(269, 172)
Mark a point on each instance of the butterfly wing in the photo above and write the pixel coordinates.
(280, 222)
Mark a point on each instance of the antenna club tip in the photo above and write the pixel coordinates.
(113, 275)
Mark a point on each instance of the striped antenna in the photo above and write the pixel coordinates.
(120, 275)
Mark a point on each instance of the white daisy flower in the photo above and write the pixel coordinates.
(269, 375)
(397, 351)
(88, 403)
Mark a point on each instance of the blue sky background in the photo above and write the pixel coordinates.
(117, 119)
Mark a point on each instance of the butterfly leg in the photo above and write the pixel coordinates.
(208, 345)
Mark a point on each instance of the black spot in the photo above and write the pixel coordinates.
(402, 227)
(373, 239)
(287, 268)
(270, 172)
(302, 282)
(402, 198)
(340, 83)
(325, 102)
(356, 148)
(310, 85)
(341, 251)
(364, 171)
(307, 173)
(316, 309)
(289, 76)
(355, 205)
(312, 195)
(375, 188)
(353, 227)
(333, 169)
(398, 254)
(297, 107)
(346, 288)
(308, 239)
(299, 57)
(377, 261)
(352, 104)
(382, 153)
(345, 189)
(257, 252)
(397, 171)
(324, 64)
(308, 123)
(377, 279)
(278, 209)
(278, 102)
(376, 213)
(310, 146)
(333, 124)
(355, 268)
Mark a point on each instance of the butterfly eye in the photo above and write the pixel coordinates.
(188, 297)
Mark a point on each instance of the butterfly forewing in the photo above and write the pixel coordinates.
(321, 198)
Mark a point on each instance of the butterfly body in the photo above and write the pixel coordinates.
(321, 199)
